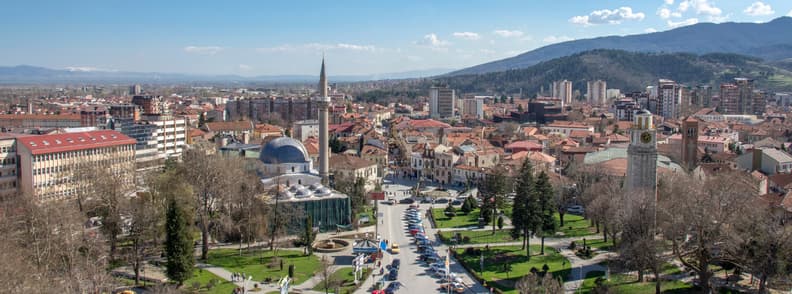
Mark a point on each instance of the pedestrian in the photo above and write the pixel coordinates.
(233, 278)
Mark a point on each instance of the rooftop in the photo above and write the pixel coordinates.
(54, 143)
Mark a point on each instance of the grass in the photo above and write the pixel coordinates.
(203, 278)
(670, 269)
(346, 279)
(620, 283)
(598, 244)
(496, 257)
(458, 221)
(574, 226)
(257, 263)
(480, 236)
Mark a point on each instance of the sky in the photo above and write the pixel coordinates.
(251, 38)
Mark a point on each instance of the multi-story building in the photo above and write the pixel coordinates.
(746, 99)
(473, 107)
(566, 128)
(701, 96)
(596, 92)
(170, 134)
(442, 102)
(563, 90)
(280, 110)
(741, 98)
(759, 102)
(625, 109)
(8, 166)
(303, 129)
(48, 163)
(150, 104)
(669, 98)
(10, 121)
(93, 116)
(158, 137)
(770, 161)
(349, 168)
(729, 98)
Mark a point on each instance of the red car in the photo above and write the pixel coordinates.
(415, 231)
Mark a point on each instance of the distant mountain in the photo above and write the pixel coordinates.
(26, 74)
(629, 71)
(770, 41)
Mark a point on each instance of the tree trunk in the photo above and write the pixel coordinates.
(605, 233)
(524, 241)
(640, 276)
(561, 217)
(527, 244)
(656, 272)
(704, 280)
(204, 239)
(763, 283)
(542, 252)
(596, 224)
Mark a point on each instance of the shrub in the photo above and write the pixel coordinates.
(465, 239)
(545, 268)
(572, 245)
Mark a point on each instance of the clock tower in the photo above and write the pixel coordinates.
(642, 154)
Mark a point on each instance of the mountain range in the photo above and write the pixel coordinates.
(770, 41)
(26, 74)
(629, 71)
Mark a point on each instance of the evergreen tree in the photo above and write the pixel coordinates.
(520, 217)
(511, 100)
(547, 207)
(309, 236)
(493, 190)
(466, 206)
(178, 244)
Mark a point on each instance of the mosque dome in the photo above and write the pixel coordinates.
(284, 150)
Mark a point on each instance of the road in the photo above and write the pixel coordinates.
(414, 274)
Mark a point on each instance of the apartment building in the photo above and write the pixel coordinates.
(442, 102)
(8, 166)
(48, 163)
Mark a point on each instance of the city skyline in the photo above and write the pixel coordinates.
(250, 39)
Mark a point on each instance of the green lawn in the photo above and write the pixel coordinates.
(670, 269)
(497, 257)
(458, 221)
(257, 263)
(620, 283)
(480, 237)
(203, 278)
(598, 244)
(346, 279)
(574, 225)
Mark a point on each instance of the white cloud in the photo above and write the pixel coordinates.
(700, 6)
(669, 2)
(434, 41)
(203, 50)
(664, 13)
(508, 33)
(556, 39)
(790, 13)
(687, 22)
(650, 30)
(759, 8)
(487, 51)
(605, 16)
(318, 46)
(466, 35)
(244, 67)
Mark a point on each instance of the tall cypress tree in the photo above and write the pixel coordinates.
(546, 209)
(178, 244)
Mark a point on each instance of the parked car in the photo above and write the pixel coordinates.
(393, 275)
(575, 209)
(456, 287)
(441, 272)
(396, 263)
(441, 201)
(393, 287)
(426, 201)
(456, 202)
(412, 204)
(407, 201)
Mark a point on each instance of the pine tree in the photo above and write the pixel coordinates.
(178, 244)
(545, 197)
(309, 234)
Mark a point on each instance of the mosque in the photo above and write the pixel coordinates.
(288, 170)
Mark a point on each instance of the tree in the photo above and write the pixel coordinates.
(511, 100)
(532, 283)
(503, 99)
(698, 216)
(521, 217)
(326, 272)
(309, 236)
(500, 222)
(336, 146)
(450, 210)
(146, 226)
(356, 190)
(466, 209)
(493, 190)
(520, 108)
(762, 244)
(640, 248)
(178, 243)
(545, 196)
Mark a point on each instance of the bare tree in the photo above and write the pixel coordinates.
(762, 244)
(698, 216)
(326, 272)
(533, 284)
(640, 249)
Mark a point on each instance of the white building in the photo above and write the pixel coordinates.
(669, 98)
(473, 107)
(767, 160)
(596, 92)
(563, 90)
(305, 128)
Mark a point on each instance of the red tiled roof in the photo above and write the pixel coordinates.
(74, 141)
(524, 145)
(229, 126)
(428, 123)
(40, 116)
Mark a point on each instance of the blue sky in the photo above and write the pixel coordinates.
(358, 37)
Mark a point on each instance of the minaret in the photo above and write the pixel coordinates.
(323, 101)
(642, 155)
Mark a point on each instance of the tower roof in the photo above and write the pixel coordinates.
(322, 81)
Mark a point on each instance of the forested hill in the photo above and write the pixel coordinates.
(629, 71)
(769, 41)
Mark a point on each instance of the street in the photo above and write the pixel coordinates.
(414, 274)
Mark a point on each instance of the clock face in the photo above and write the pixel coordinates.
(646, 137)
